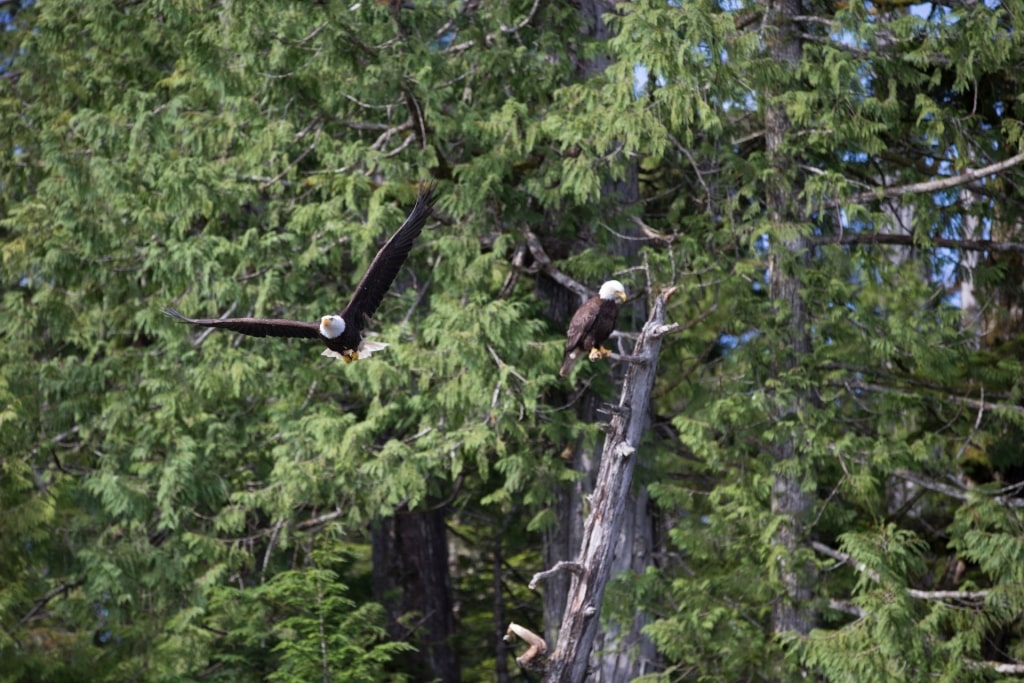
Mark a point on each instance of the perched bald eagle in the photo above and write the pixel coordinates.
(592, 323)
(343, 332)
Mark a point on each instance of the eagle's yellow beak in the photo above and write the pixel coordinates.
(325, 321)
(621, 296)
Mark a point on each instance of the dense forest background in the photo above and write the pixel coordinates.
(831, 483)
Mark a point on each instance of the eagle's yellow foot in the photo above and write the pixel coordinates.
(599, 352)
(349, 356)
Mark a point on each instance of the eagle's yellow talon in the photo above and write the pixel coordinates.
(349, 356)
(595, 353)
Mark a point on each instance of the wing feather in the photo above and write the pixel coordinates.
(255, 327)
(581, 322)
(378, 277)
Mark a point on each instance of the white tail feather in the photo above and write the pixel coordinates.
(367, 348)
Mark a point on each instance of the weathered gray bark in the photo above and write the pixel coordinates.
(789, 497)
(610, 506)
(621, 653)
(563, 539)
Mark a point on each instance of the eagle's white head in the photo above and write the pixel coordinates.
(332, 326)
(612, 290)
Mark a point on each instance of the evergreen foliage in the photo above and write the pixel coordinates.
(182, 506)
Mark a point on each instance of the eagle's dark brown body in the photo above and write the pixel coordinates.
(591, 325)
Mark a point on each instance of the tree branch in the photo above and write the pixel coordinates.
(490, 37)
(966, 176)
(962, 400)
(912, 241)
(562, 566)
(998, 667)
(952, 491)
(43, 601)
(846, 558)
(537, 646)
(545, 265)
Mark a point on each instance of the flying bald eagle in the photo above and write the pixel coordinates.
(343, 332)
(592, 323)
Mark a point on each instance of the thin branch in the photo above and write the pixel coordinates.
(313, 34)
(964, 177)
(317, 521)
(502, 364)
(562, 566)
(361, 125)
(405, 143)
(952, 491)
(270, 547)
(325, 666)
(846, 558)
(422, 293)
(525, 22)
(545, 265)
(998, 667)
(974, 430)
(736, 142)
(964, 596)
(55, 441)
(309, 397)
(650, 233)
(366, 105)
(962, 400)
(693, 163)
(913, 241)
(43, 601)
(846, 607)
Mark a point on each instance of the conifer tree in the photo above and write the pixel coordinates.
(833, 459)
(884, 119)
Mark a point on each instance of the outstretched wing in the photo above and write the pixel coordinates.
(385, 266)
(255, 327)
(582, 321)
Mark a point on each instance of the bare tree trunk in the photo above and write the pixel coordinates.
(610, 505)
(621, 652)
(563, 539)
(789, 497)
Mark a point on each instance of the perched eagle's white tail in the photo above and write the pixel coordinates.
(568, 363)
